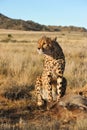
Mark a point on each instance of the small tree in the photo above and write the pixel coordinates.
(9, 36)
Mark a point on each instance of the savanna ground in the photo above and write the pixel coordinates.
(20, 64)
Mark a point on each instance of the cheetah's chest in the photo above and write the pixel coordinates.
(53, 67)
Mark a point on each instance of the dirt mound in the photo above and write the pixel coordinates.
(64, 115)
(73, 102)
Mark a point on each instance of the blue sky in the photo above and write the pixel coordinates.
(48, 12)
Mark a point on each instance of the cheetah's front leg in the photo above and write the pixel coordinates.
(38, 91)
(49, 88)
(48, 85)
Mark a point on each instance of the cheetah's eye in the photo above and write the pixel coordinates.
(43, 43)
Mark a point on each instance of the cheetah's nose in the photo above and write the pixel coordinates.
(38, 48)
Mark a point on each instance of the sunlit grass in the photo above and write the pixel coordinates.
(20, 64)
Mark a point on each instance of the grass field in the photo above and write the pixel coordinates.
(20, 64)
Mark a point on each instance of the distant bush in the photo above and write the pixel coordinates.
(10, 36)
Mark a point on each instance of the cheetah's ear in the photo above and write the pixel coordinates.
(54, 39)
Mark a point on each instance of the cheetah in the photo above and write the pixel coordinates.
(49, 85)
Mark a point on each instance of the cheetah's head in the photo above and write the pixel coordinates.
(45, 45)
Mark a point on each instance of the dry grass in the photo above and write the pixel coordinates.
(81, 124)
(20, 64)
